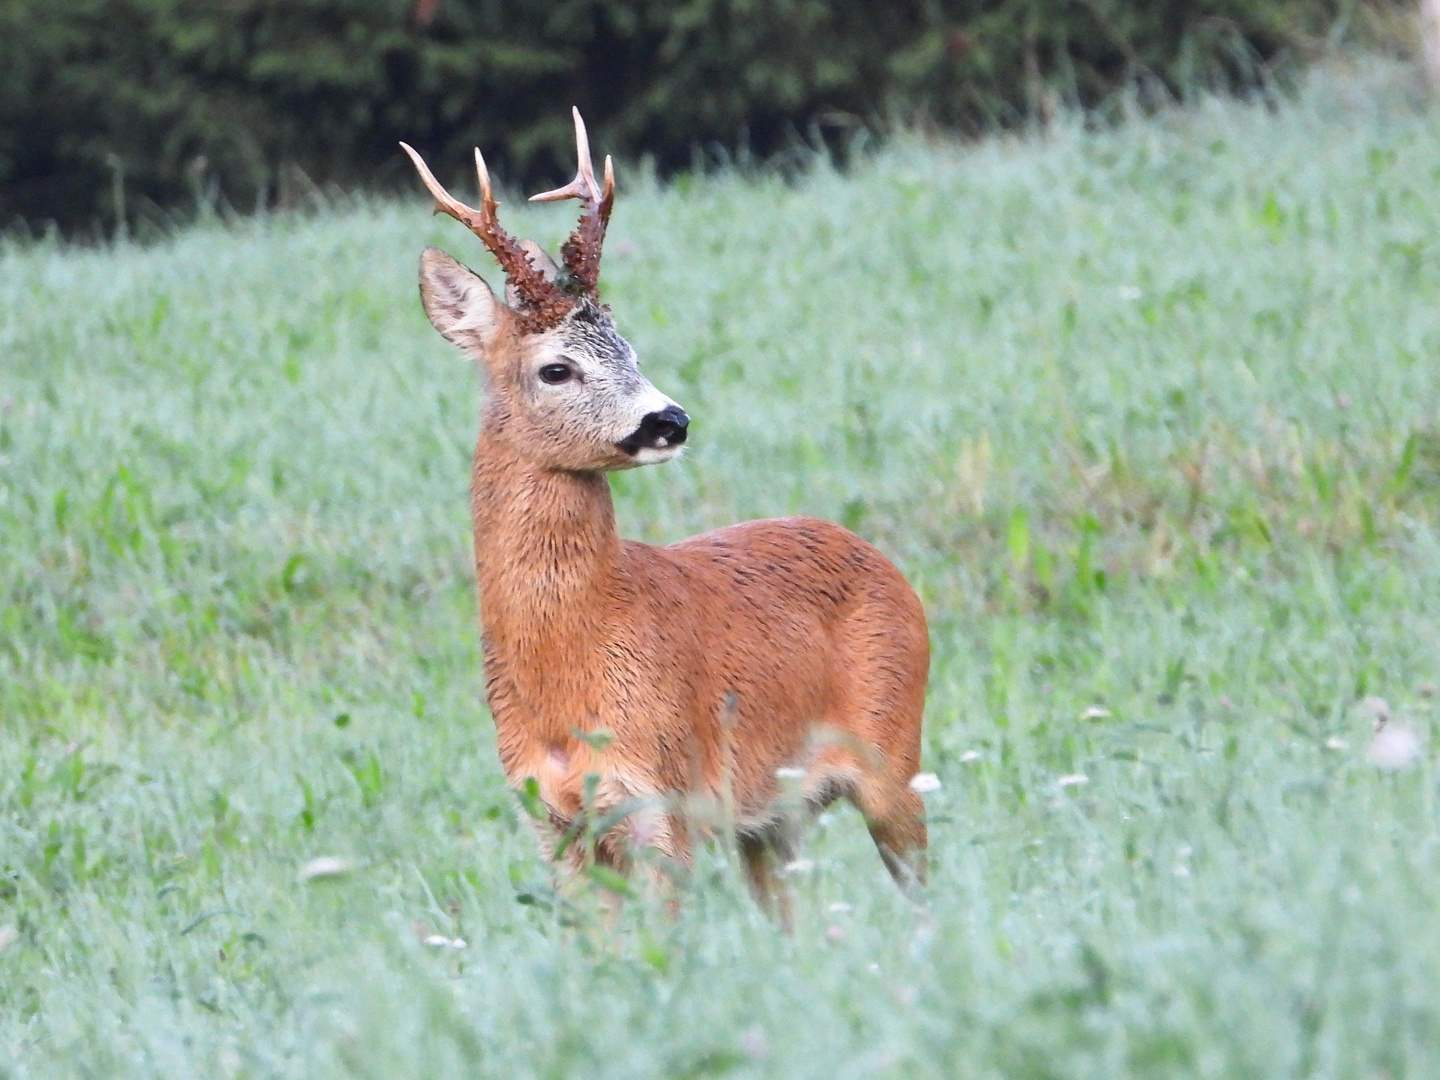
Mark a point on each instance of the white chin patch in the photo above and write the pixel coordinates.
(654, 455)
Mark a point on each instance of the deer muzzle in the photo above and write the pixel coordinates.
(657, 431)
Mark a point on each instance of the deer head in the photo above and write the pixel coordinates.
(563, 387)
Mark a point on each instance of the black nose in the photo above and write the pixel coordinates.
(658, 430)
(665, 428)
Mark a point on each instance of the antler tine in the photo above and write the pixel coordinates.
(487, 200)
(543, 299)
(581, 251)
(444, 201)
(583, 187)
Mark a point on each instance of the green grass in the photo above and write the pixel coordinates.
(1148, 416)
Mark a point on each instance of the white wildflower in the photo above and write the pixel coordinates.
(753, 1043)
(326, 866)
(440, 941)
(1378, 709)
(924, 783)
(1394, 747)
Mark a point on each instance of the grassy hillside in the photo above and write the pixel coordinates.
(1150, 417)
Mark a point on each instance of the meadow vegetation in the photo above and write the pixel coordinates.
(1150, 417)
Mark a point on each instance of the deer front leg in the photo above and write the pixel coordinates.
(640, 836)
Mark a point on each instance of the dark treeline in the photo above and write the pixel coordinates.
(112, 108)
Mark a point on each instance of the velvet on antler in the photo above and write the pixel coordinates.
(581, 252)
(542, 303)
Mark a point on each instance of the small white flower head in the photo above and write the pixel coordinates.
(1095, 712)
(1378, 709)
(1394, 747)
(326, 866)
(970, 755)
(1128, 292)
(789, 772)
(1072, 780)
(925, 782)
(834, 934)
(440, 941)
(229, 1061)
(754, 1044)
(799, 866)
(1337, 743)
(840, 907)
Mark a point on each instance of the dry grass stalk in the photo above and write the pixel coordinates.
(1430, 39)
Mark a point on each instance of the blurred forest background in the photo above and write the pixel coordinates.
(117, 113)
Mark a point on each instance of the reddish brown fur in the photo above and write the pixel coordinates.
(712, 663)
(812, 629)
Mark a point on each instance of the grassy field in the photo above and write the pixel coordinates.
(1151, 418)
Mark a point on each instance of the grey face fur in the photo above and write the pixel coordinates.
(604, 400)
(568, 398)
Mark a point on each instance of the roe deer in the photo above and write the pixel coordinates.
(711, 663)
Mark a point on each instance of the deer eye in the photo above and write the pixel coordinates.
(554, 374)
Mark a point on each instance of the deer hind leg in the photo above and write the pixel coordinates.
(764, 852)
(878, 711)
(895, 816)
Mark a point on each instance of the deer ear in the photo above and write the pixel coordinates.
(457, 300)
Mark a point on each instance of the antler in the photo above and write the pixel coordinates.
(582, 251)
(543, 303)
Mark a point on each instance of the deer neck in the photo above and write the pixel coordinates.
(548, 561)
